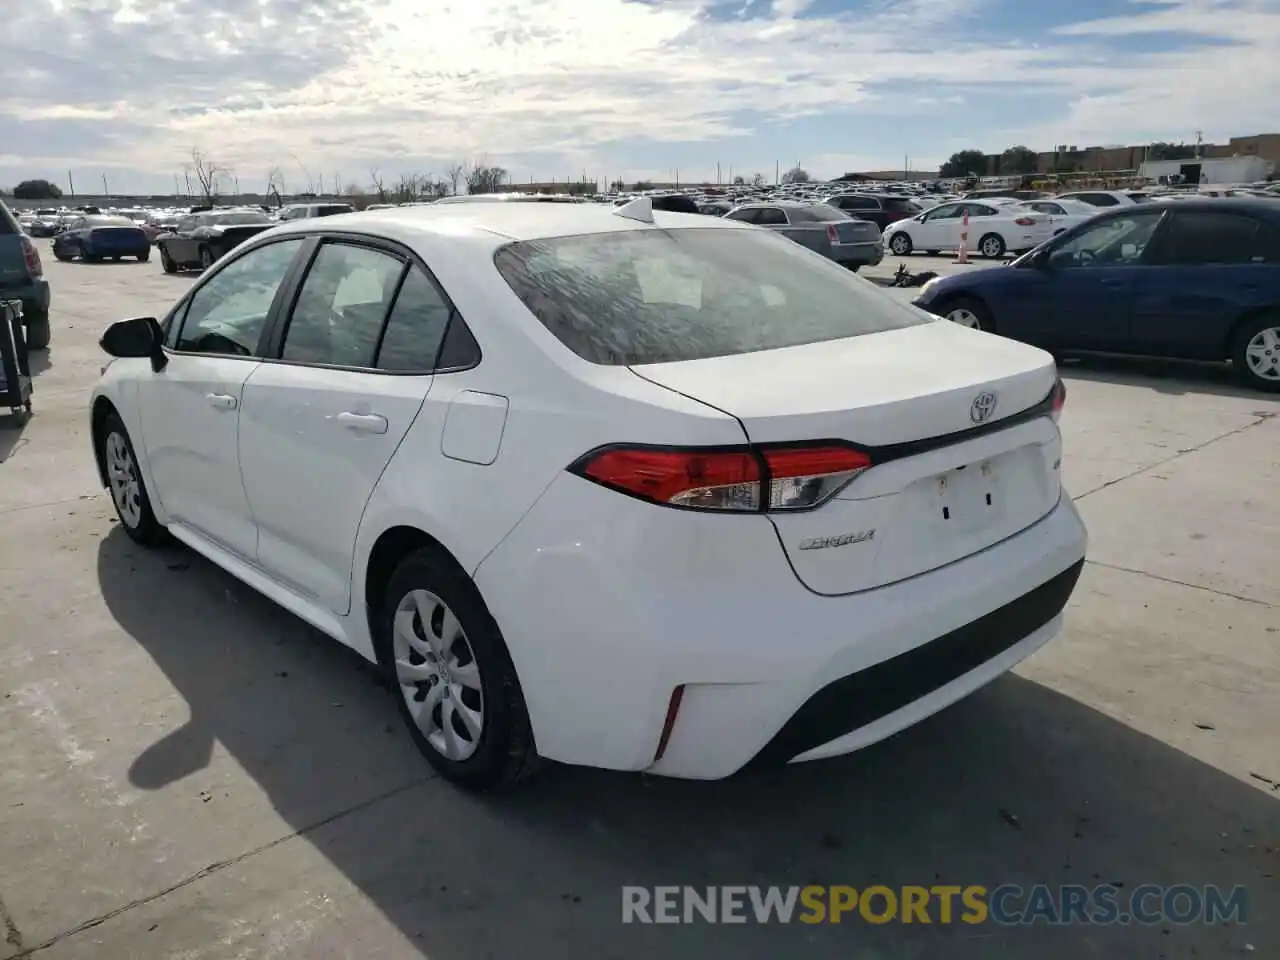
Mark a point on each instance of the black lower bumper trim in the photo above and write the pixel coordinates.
(844, 705)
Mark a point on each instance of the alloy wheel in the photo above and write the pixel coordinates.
(1262, 354)
(122, 473)
(964, 317)
(900, 244)
(438, 674)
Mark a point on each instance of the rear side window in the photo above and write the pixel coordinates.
(340, 308)
(1206, 238)
(771, 216)
(639, 297)
(415, 328)
(901, 206)
(818, 213)
(862, 203)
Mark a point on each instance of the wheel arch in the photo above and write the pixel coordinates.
(1248, 317)
(102, 409)
(977, 300)
(388, 551)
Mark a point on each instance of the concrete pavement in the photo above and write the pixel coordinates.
(189, 772)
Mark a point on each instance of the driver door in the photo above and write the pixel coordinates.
(940, 228)
(1092, 275)
(190, 410)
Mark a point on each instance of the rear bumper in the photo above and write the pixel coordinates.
(769, 671)
(859, 254)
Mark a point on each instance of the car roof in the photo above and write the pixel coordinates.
(495, 224)
(1258, 206)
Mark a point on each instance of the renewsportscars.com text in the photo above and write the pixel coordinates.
(1008, 904)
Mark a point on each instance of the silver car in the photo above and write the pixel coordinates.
(818, 226)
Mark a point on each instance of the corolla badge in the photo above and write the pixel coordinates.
(840, 540)
(983, 406)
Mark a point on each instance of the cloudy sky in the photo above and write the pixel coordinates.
(556, 88)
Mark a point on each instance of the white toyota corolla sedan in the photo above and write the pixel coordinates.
(644, 491)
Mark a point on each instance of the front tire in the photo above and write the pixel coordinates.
(206, 258)
(900, 244)
(455, 684)
(1255, 354)
(969, 313)
(128, 490)
(166, 261)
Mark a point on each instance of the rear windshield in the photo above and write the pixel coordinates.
(231, 219)
(901, 206)
(650, 296)
(818, 213)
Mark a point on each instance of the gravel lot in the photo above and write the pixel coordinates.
(190, 772)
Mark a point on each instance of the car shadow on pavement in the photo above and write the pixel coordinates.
(1162, 375)
(1018, 784)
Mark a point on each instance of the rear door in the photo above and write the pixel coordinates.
(352, 361)
(1210, 269)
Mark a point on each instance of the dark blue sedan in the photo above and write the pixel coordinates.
(1196, 279)
(102, 238)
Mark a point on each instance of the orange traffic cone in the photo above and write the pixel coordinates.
(962, 255)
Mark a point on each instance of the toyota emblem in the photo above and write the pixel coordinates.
(983, 406)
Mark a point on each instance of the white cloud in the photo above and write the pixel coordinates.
(348, 84)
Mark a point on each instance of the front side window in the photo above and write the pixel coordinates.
(947, 211)
(772, 216)
(229, 311)
(639, 297)
(1117, 241)
(341, 306)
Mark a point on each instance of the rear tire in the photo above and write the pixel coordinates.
(38, 331)
(1255, 354)
(991, 246)
(206, 258)
(432, 614)
(166, 262)
(144, 257)
(124, 480)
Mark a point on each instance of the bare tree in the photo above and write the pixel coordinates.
(757, 180)
(275, 180)
(406, 189)
(455, 175)
(208, 173)
(376, 179)
(313, 187)
(482, 177)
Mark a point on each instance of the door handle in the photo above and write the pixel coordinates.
(221, 401)
(363, 422)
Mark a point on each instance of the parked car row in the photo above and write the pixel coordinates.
(1196, 279)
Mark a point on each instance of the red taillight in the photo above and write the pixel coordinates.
(727, 480)
(1026, 221)
(1059, 398)
(31, 255)
(831, 232)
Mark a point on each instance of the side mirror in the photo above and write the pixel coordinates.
(139, 337)
(1058, 258)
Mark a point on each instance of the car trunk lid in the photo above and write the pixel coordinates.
(962, 457)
